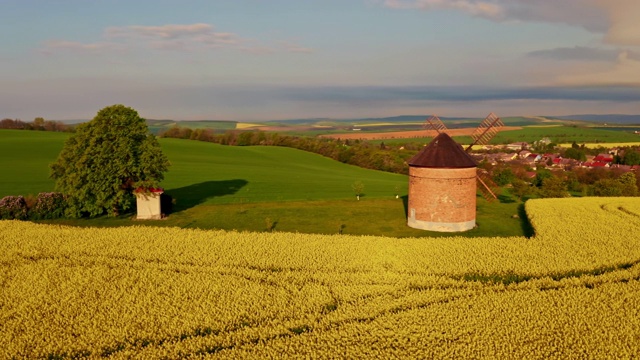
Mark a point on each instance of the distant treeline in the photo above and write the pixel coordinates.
(353, 152)
(37, 124)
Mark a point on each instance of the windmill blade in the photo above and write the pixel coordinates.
(487, 187)
(434, 123)
(487, 129)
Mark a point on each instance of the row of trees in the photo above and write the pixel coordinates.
(37, 124)
(547, 183)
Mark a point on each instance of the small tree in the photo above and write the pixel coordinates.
(521, 188)
(13, 207)
(358, 188)
(553, 187)
(607, 187)
(503, 176)
(541, 175)
(628, 184)
(631, 157)
(575, 153)
(105, 160)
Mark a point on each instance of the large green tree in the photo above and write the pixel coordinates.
(105, 160)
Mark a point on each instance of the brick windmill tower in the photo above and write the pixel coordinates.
(443, 179)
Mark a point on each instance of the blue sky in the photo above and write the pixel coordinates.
(274, 59)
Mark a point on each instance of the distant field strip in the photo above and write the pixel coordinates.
(242, 125)
(389, 124)
(543, 126)
(142, 292)
(406, 134)
(608, 145)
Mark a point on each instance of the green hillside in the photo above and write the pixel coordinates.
(157, 126)
(217, 174)
(207, 173)
(24, 159)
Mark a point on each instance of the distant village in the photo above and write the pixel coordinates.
(523, 153)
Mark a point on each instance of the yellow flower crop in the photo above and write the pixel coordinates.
(572, 291)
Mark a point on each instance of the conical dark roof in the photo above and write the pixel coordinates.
(442, 152)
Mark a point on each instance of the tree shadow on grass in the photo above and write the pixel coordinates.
(527, 228)
(506, 199)
(189, 196)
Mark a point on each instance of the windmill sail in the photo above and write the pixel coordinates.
(487, 186)
(487, 129)
(434, 123)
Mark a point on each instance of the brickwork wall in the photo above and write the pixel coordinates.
(440, 195)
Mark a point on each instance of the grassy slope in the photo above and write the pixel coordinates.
(206, 173)
(216, 174)
(24, 160)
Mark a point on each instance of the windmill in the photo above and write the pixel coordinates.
(487, 129)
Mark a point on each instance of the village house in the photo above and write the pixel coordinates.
(517, 146)
(523, 154)
(604, 157)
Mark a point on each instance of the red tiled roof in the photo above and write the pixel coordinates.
(153, 190)
(604, 157)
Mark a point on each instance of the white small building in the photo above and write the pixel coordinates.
(148, 204)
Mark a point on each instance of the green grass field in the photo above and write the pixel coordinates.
(207, 173)
(24, 159)
(380, 217)
(157, 126)
(248, 188)
(564, 134)
(558, 134)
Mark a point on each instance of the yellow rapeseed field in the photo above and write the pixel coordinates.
(606, 145)
(571, 292)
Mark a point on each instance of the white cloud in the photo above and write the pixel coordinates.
(617, 19)
(623, 16)
(172, 37)
(96, 47)
(577, 53)
(584, 13)
(165, 31)
(625, 71)
(474, 7)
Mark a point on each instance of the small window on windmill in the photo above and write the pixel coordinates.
(413, 214)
